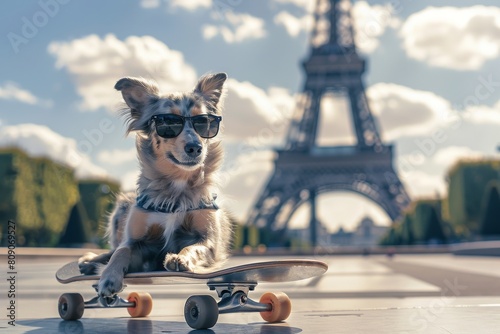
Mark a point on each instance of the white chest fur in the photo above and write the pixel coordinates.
(139, 221)
(168, 221)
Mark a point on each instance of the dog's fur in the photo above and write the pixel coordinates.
(185, 240)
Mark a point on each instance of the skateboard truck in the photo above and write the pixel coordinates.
(234, 298)
(71, 305)
(202, 311)
(103, 302)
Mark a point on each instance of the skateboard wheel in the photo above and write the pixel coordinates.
(143, 304)
(71, 306)
(281, 307)
(201, 312)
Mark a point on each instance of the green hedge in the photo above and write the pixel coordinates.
(245, 236)
(468, 181)
(421, 224)
(98, 198)
(37, 194)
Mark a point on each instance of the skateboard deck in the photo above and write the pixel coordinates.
(232, 285)
(270, 271)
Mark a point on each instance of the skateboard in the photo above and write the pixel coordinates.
(232, 286)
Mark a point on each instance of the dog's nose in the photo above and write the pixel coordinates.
(193, 150)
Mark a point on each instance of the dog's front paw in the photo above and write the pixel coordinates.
(87, 267)
(110, 284)
(87, 257)
(176, 262)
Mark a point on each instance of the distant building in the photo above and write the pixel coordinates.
(304, 234)
(366, 234)
(341, 237)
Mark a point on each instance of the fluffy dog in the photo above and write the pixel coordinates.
(173, 223)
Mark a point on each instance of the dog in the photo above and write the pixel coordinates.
(173, 223)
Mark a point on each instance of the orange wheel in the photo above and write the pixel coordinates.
(281, 307)
(143, 304)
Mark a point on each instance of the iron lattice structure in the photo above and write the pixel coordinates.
(303, 169)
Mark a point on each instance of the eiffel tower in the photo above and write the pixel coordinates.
(303, 169)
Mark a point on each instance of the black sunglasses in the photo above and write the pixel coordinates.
(171, 125)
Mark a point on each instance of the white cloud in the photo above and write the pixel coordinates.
(371, 22)
(451, 154)
(40, 141)
(422, 184)
(210, 31)
(455, 38)
(403, 111)
(241, 27)
(96, 64)
(247, 166)
(12, 91)
(482, 114)
(244, 178)
(281, 99)
(191, 4)
(250, 112)
(150, 3)
(307, 5)
(117, 157)
(293, 25)
(424, 176)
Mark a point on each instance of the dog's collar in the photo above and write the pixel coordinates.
(145, 203)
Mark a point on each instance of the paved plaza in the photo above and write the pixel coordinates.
(359, 294)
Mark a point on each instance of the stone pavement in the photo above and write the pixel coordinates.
(372, 294)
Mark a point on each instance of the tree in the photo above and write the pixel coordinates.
(407, 231)
(98, 197)
(75, 233)
(490, 219)
(434, 230)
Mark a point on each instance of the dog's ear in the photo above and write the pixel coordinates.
(210, 88)
(137, 93)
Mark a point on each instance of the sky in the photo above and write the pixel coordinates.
(432, 82)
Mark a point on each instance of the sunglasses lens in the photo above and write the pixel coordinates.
(169, 126)
(207, 126)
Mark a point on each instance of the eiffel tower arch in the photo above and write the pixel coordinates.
(303, 169)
